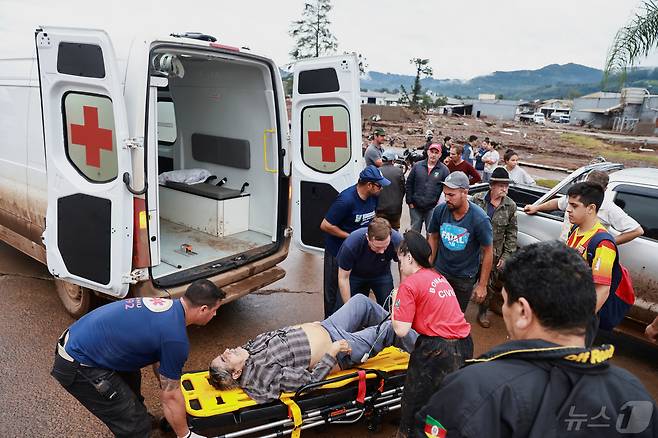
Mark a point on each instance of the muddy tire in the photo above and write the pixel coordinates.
(77, 300)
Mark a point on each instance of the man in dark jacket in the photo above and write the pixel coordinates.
(544, 382)
(424, 187)
(391, 196)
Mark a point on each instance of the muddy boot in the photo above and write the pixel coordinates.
(482, 318)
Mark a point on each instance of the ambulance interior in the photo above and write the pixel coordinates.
(217, 160)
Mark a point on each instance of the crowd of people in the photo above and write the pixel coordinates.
(548, 379)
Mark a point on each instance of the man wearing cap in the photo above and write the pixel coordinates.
(374, 151)
(461, 238)
(425, 302)
(390, 199)
(501, 210)
(424, 187)
(364, 261)
(354, 208)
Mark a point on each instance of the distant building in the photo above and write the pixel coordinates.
(596, 110)
(380, 98)
(496, 109)
(483, 96)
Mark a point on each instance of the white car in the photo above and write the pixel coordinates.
(539, 118)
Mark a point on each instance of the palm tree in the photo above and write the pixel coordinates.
(634, 41)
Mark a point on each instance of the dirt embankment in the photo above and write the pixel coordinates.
(551, 144)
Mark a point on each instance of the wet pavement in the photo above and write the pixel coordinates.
(33, 404)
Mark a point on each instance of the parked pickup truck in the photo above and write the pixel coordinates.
(636, 191)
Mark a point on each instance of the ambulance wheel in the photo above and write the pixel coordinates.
(76, 299)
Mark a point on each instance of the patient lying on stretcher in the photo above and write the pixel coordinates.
(283, 360)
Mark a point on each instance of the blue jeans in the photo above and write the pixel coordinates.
(418, 217)
(356, 322)
(381, 286)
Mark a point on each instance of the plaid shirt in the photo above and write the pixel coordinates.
(278, 362)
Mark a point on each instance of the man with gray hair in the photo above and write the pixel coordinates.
(610, 214)
(283, 360)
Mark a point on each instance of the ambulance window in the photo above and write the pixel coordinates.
(326, 142)
(167, 132)
(90, 141)
(80, 60)
(324, 80)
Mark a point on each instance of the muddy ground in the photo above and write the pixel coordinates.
(540, 144)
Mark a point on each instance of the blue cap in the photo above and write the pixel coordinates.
(373, 174)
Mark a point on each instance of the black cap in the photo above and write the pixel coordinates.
(500, 174)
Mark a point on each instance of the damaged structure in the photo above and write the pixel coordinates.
(633, 110)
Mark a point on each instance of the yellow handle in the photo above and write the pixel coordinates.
(265, 132)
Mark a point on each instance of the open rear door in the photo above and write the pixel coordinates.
(89, 228)
(326, 141)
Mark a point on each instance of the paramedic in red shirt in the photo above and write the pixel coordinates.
(426, 302)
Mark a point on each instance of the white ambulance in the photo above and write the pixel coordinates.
(139, 169)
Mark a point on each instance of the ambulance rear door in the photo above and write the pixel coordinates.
(89, 220)
(326, 141)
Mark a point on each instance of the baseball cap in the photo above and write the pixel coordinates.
(457, 180)
(389, 155)
(379, 131)
(434, 146)
(374, 175)
(500, 174)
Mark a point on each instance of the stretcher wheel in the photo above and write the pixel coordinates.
(76, 299)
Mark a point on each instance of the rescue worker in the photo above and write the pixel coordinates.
(364, 261)
(425, 302)
(98, 358)
(610, 214)
(461, 238)
(544, 382)
(424, 187)
(501, 210)
(391, 197)
(353, 208)
(374, 151)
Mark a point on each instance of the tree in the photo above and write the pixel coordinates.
(633, 41)
(312, 35)
(441, 101)
(422, 69)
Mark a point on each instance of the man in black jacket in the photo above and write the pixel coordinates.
(424, 187)
(544, 382)
(391, 196)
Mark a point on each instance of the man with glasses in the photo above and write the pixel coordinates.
(364, 261)
(354, 208)
(374, 151)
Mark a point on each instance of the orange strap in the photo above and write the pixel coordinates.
(295, 413)
(361, 393)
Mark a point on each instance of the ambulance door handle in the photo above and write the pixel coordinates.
(126, 181)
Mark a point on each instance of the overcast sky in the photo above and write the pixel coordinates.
(462, 39)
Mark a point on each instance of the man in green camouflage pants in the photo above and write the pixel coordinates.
(502, 212)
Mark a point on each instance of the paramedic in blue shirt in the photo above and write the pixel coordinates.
(364, 261)
(461, 237)
(99, 357)
(354, 208)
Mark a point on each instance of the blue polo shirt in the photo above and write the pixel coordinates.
(459, 244)
(128, 335)
(348, 212)
(355, 255)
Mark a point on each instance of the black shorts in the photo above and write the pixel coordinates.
(432, 359)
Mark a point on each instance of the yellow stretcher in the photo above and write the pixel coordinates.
(345, 396)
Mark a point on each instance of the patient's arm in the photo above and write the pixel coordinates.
(293, 378)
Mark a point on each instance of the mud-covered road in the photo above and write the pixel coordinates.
(33, 404)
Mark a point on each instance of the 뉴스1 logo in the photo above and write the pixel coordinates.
(633, 417)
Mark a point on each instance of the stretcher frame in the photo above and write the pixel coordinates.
(345, 397)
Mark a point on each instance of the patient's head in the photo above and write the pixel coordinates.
(226, 369)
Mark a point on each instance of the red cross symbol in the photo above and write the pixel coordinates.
(91, 136)
(327, 139)
(157, 301)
